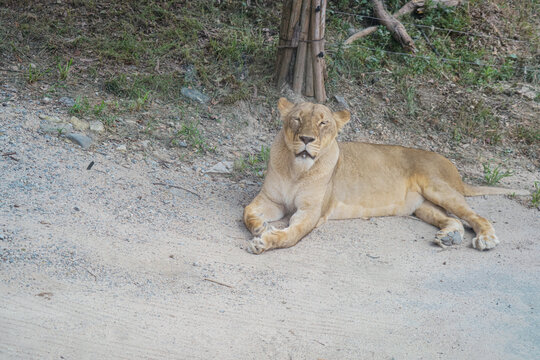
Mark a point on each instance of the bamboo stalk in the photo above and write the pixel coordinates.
(318, 78)
(323, 41)
(285, 16)
(308, 90)
(300, 66)
(288, 51)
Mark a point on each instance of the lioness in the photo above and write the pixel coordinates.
(316, 178)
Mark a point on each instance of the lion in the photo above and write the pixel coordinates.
(313, 177)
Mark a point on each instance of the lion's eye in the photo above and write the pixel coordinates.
(322, 123)
(296, 120)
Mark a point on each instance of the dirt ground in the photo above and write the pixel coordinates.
(137, 258)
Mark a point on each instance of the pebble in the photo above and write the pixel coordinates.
(182, 143)
(121, 148)
(54, 119)
(78, 124)
(222, 167)
(46, 100)
(195, 95)
(145, 144)
(67, 101)
(63, 128)
(80, 139)
(341, 101)
(97, 126)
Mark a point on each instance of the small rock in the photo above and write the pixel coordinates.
(527, 92)
(121, 148)
(341, 101)
(190, 75)
(60, 128)
(67, 101)
(181, 143)
(222, 167)
(46, 100)
(54, 119)
(80, 139)
(78, 124)
(352, 31)
(195, 95)
(145, 144)
(97, 126)
(14, 68)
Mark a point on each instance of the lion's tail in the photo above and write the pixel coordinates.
(470, 190)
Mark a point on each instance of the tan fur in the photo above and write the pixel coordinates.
(354, 180)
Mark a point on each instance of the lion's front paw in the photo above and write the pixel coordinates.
(256, 246)
(485, 241)
(444, 238)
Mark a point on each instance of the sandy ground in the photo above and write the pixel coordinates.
(103, 263)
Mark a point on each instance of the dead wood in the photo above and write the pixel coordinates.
(408, 8)
(395, 27)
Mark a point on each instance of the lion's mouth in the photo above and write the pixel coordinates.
(305, 154)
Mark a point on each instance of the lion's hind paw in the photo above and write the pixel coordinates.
(485, 242)
(444, 239)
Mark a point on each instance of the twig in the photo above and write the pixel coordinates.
(10, 155)
(91, 273)
(431, 46)
(178, 187)
(372, 257)
(219, 283)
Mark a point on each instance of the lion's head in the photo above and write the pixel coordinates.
(309, 129)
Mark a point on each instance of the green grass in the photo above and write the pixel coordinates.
(255, 164)
(194, 138)
(477, 121)
(63, 70)
(468, 62)
(535, 198)
(493, 175)
(34, 74)
(140, 46)
(81, 106)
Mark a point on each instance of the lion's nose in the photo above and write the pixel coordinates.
(306, 139)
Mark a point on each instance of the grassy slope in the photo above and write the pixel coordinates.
(141, 53)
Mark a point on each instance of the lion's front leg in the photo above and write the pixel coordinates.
(260, 212)
(301, 223)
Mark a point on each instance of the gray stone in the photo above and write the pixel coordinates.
(190, 76)
(145, 144)
(67, 101)
(341, 101)
(59, 128)
(78, 124)
(53, 119)
(121, 148)
(80, 139)
(195, 95)
(222, 167)
(528, 92)
(97, 126)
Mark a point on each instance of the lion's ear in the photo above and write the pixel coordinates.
(342, 117)
(284, 105)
